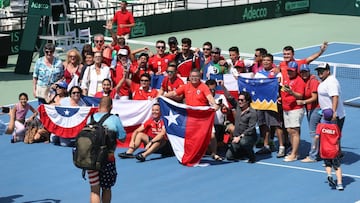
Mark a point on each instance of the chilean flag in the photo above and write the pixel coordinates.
(188, 129)
(64, 121)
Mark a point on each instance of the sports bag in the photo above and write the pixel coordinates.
(91, 146)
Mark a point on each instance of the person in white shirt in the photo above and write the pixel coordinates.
(94, 75)
(329, 92)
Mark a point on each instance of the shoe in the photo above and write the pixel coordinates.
(289, 159)
(251, 160)
(340, 187)
(140, 157)
(308, 160)
(264, 150)
(217, 157)
(331, 182)
(125, 155)
(281, 153)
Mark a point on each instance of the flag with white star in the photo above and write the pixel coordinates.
(188, 129)
(66, 122)
(263, 91)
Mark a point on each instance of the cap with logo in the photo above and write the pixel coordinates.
(323, 66)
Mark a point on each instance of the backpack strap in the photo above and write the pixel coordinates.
(103, 118)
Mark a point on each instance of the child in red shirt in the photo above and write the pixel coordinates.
(329, 148)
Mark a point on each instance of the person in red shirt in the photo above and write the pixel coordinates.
(105, 49)
(124, 20)
(186, 60)
(196, 93)
(107, 90)
(152, 134)
(159, 62)
(171, 81)
(139, 67)
(288, 55)
(330, 135)
(144, 92)
(293, 113)
(312, 107)
(120, 75)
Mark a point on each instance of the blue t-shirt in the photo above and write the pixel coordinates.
(113, 123)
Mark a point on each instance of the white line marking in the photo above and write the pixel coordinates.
(339, 52)
(304, 169)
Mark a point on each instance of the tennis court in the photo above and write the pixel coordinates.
(42, 173)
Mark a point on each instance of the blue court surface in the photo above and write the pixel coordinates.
(40, 173)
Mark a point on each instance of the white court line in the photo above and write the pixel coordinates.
(304, 169)
(339, 52)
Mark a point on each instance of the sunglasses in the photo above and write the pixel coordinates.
(206, 49)
(99, 41)
(75, 93)
(160, 47)
(58, 87)
(144, 80)
(49, 52)
(170, 72)
(241, 100)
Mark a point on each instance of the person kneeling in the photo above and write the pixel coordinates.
(243, 132)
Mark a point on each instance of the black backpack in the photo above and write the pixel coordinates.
(91, 146)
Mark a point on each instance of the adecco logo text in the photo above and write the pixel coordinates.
(252, 14)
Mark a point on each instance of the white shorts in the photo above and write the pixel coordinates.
(293, 118)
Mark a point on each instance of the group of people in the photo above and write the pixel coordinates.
(116, 72)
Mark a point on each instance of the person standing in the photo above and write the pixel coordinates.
(124, 20)
(196, 93)
(103, 180)
(94, 75)
(292, 90)
(47, 71)
(312, 108)
(330, 148)
(289, 53)
(329, 95)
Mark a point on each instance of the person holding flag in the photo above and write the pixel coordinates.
(197, 94)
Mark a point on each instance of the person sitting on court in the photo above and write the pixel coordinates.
(152, 134)
(73, 100)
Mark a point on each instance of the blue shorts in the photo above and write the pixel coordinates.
(108, 175)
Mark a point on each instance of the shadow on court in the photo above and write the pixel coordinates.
(10, 199)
